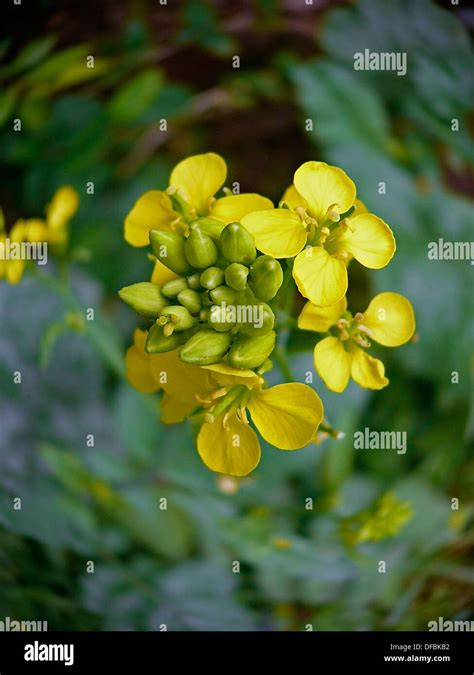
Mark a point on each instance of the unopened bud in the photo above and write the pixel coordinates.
(259, 321)
(223, 294)
(266, 277)
(173, 287)
(205, 347)
(178, 316)
(236, 276)
(200, 250)
(237, 244)
(209, 226)
(251, 352)
(194, 281)
(190, 299)
(212, 277)
(159, 343)
(169, 249)
(145, 298)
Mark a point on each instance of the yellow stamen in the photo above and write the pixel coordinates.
(225, 420)
(360, 339)
(333, 213)
(364, 329)
(168, 329)
(202, 401)
(209, 418)
(162, 321)
(344, 335)
(359, 317)
(242, 415)
(219, 393)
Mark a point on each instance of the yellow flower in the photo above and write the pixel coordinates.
(53, 230)
(287, 415)
(386, 518)
(190, 195)
(389, 320)
(316, 229)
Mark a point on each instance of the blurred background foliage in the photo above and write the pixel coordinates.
(299, 565)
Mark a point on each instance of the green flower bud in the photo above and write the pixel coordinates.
(222, 318)
(237, 244)
(204, 315)
(236, 276)
(251, 352)
(260, 320)
(175, 318)
(159, 343)
(223, 294)
(145, 298)
(200, 250)
(173, 287)
(169, 249)
(194, 281)
(205, 347)
(209, 226)
(212, 277)
(206, 299)
(266, 277)
(190, 299)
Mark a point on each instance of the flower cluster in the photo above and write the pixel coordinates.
(213, 303)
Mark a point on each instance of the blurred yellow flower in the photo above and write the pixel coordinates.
(287, 415)
(389, 320)
(324, 225)
(385, 519)
(52, 230)
(190, 195)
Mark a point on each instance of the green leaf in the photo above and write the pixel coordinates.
(135, 97)
(343, 109)
(29, 56)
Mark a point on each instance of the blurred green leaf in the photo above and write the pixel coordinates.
(135, 97)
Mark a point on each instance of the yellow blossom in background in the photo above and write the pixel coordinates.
(389, 320)
(54, 230)
(193, 185)
(324, 227)
(385, 519)
(287, 415)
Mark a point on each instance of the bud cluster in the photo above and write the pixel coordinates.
(216, 308)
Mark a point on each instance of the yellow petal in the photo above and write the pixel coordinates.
(152, 211)
(225, 375)
(278, 232)
(180, 379)
(36, 230)
(175, 409)
(324, 186)
(287, 415)
(367, 371)
(14, 270)
(137, 365)
(63, 206)
(360, 207)
(332, 363)
(320, 277)
(320, 319)
(198, 178)
(234, 451)
(293, 199)
(161, 274)
(390, 318)
(369, 239)
(233, 208)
